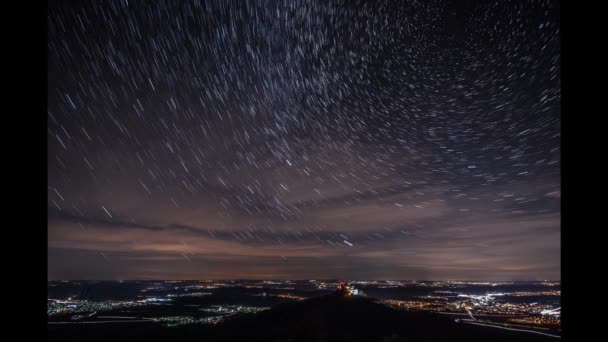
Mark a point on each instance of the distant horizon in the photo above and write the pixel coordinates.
(318, 279)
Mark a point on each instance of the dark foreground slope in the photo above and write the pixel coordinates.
(335, 318)
(327, 318)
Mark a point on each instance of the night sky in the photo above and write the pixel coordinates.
(304, 140)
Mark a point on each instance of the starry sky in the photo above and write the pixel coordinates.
(304, 140)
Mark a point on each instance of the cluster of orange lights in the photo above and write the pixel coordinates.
(290, 296)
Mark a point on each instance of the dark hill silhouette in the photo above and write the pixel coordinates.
(335, 318)
(339, 318)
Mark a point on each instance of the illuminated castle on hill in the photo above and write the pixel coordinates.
(346, 290)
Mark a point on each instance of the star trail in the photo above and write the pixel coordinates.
(304, 140)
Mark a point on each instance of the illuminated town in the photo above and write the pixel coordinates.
(530, 305)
